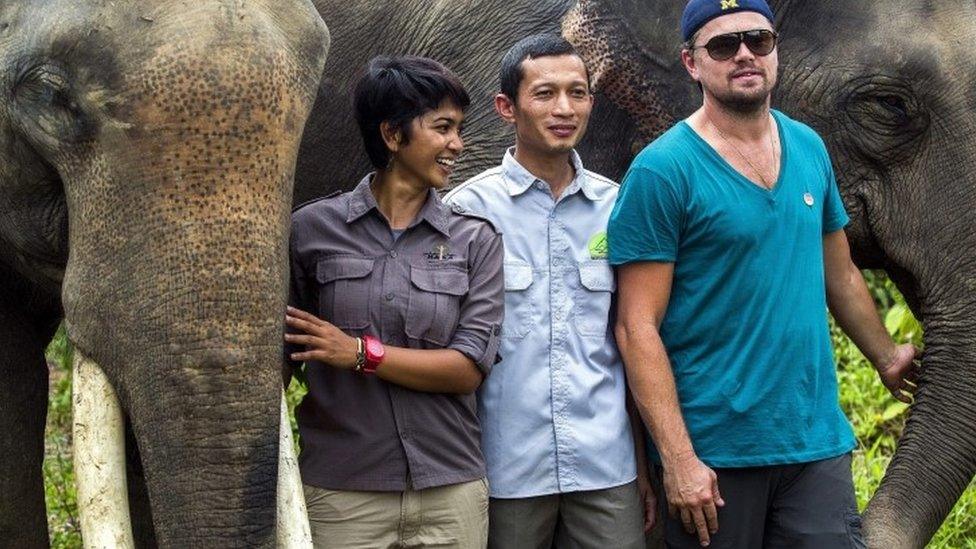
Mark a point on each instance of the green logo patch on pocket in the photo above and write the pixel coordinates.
(598, 246)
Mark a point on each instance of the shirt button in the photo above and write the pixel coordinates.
(393, 253)
(389, 296)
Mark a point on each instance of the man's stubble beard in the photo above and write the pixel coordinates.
(744, 104)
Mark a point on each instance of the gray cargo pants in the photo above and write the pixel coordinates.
(799, 506)
(611, 518)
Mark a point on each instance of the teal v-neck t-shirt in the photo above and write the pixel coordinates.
(746, 325)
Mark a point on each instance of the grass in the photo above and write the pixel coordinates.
(878, 420)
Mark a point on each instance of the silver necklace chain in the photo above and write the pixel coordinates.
(772, 147)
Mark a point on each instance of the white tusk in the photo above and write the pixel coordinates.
(293, 529)
(99, 458)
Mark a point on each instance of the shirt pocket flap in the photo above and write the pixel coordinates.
(597, 276)
(518, 276)
(337, 268)
(441, 281)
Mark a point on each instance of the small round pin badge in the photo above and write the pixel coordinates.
(808, 199)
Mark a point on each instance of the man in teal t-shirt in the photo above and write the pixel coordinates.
(728, 237)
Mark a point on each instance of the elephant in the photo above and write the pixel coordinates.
(147, 154)
(886, 83)
(92, 145)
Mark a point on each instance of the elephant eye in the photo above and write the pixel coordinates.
(43, 95)
(45, 86)
(39, 83)
(885, 110)
(895, 105)
(887, 114)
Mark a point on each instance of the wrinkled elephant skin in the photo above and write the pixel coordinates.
(148, 152)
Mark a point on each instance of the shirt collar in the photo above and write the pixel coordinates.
(434, 211)
(518, 179)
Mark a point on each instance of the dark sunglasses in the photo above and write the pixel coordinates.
(725, 46)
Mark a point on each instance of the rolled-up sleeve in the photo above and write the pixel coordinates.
(478, 333)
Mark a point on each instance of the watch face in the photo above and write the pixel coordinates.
(374, 348)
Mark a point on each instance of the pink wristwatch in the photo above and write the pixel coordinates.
(374, 351)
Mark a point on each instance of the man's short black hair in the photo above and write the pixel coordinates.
(532, 47)
(397, 90)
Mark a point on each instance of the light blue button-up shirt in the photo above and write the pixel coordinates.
(553, 413)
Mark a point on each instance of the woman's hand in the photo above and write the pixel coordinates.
(323, 342)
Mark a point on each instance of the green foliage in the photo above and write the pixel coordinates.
(59, 478)
(878, 421)
(293, 397)
(59, 352)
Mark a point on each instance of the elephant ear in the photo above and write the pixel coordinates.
(632, 49)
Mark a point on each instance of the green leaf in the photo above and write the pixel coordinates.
(894, 410)
(895, 319)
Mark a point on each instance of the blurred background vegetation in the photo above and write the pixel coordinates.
(878, 420)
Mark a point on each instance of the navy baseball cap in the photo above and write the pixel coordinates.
(699, 12)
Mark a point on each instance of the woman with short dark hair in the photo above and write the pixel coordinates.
(397, 300)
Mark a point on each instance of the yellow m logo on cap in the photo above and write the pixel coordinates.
(729, 4)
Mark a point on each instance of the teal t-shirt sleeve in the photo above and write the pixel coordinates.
(834, 215)
(645, 224)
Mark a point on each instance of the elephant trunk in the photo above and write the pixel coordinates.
(936, 455)
(177, 277)
(207, 424)
(100, 470)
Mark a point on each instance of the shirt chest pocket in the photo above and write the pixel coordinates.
(344, 291)
(592, 310)
(518, 299)
(434, 303)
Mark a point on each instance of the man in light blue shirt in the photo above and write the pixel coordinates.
(556, 434)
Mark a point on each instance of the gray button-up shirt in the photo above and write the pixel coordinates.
(439, 285)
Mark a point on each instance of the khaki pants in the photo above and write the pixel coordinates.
(447, 516)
